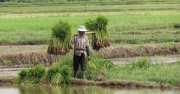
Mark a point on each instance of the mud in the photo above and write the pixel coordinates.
(136, 51)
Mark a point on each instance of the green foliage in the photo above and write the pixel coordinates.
(141, 64)
(66, 72)
(99, 26)
(51, 73)
(32, 75)
(141, 70)
(98, 67)
(36, 72)
(165, 80)
(23, 74)
(60, 43)
(62, 31)
(57, 78)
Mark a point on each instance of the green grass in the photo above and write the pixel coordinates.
(33, 23)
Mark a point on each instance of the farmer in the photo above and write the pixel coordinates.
(81, 45)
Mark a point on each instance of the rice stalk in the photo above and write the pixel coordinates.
(61, 39)
(99, 26)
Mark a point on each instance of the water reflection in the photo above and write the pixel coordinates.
(79, 90)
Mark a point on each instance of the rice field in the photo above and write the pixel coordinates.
(150, 23)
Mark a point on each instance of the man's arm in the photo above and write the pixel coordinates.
(88, 50)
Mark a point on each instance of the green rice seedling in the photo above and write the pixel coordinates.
(61, 33)
(37, 71)
(141, 64)
(98, 68)
(51, 72)
(35, 74)
(57, 79)
(66, 72)
(99, 26)
(67, 60)
(23, 74)
(32, 75)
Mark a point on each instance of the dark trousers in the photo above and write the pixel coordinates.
(79, 60)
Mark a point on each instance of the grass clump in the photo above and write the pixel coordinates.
(32, 75)
(141, 64)
(59, 73)
(99, 26)
(60, 43)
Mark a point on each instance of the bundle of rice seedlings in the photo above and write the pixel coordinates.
(60, 43)
(66, 72)
(32, 75)
(99, 26)
(51, 73)
(57, 79)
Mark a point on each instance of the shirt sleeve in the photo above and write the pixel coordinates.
(88, 50)
(87, 41)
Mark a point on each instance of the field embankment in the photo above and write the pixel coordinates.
(31, 58)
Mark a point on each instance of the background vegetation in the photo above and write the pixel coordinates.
(141, 26)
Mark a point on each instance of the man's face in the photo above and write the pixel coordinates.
(81, 33)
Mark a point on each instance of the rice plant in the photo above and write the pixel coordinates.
(66, 72)
(60, 43)
(32, 75)
(99, 26)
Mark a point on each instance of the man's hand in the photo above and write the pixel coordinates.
(89, 58)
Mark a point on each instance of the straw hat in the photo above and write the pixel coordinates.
(82, 28)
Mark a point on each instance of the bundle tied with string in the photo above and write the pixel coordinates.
(60, 43)
(101, 36)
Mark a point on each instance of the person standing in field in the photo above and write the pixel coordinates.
(81, 47)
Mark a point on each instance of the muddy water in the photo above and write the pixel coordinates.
(80, 90)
